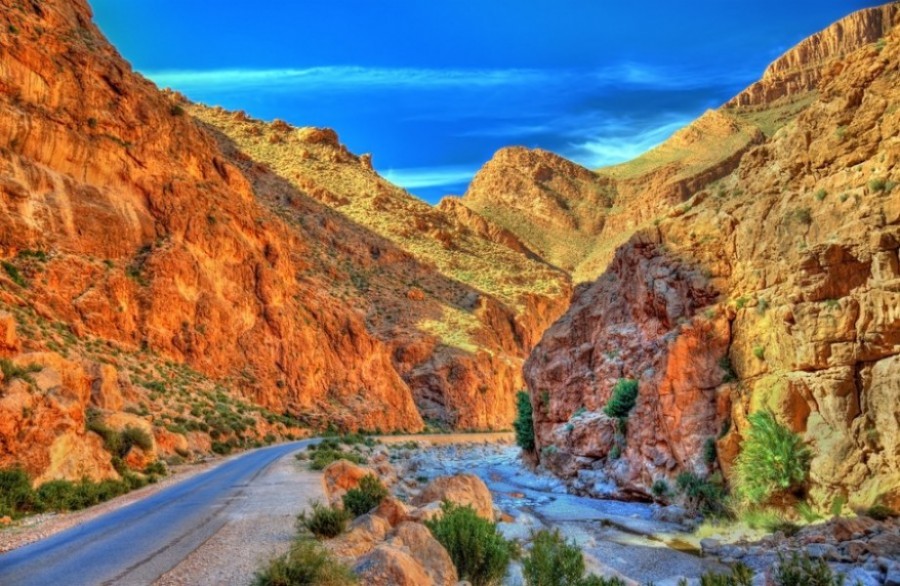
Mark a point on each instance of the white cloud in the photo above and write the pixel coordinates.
(341, 77)
(420, 177)
(621, 140)
(350, 77)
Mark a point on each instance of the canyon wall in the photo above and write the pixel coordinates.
(774, 287)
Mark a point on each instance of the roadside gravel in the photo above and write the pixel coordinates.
(260, 526)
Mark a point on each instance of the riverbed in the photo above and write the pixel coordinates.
(618, 538)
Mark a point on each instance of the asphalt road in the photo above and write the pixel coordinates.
(136, 544)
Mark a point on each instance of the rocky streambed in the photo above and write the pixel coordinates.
(641, 542)
(618, 538)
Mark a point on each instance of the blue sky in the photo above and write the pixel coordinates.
(432, 89)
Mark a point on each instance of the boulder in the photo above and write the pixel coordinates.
(339, 477)
(366, 532)
(418, 541)
(392, 510)
(462, 489)
(387, 565)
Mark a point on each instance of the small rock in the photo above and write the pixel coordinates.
(710, 546)
(821, 551)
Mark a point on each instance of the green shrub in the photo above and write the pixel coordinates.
(478, 550)
(156, 468)
(728, 373)
(16, 495)
(13, 272)
(660, 488)
(322, 458)
(524, 423)
(13, 371)
(623, 399)
(59, 496)
(615, 452)
(881, 512)
(807, 513)
(740, 575)
(773, 460)
(878, 184)
(324, 521)
(306, 564)
(710, 453)
(365, 497)
(553, 561)
(706, 496)
(800, 570)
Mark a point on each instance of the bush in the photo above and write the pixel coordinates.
(365, 497)
(769, 520)
(524, 423)
(800, 570)
(703, 495)
(740, 575)
(16, 495)
(660, 488)
(773, 460)
(624, 397)
(306, 564)
(710, 453)
(15, 276)
(881, 512)
(553, 561)
(321, 458)
(324, 521)
(13, 371)
(479, 552)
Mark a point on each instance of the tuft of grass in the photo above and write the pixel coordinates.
(820, 195)
(14, 274)
(773, 461)
(365, 497)
(308, 563)
(660, 488)
(12, 371)
(478, 550)
(706, 496)
(710, 453)
(324, 521)
(881, 512)
(759, 352)
(623, 399)
(798, 570)
(554, 561)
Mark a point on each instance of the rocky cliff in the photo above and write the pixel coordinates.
(802, 68)
(157, 275)
(773, 286)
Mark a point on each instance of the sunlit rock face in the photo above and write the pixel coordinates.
(782, 276)
(141, 239)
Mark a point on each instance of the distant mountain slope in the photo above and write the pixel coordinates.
(510, 191)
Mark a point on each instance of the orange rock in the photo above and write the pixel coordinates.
(461, 489)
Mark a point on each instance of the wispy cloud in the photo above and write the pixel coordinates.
(349, 77)
(342, 77)
(620, 140)
(429, 177)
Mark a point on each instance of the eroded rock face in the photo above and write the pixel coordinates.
(342, 475)
(802, 68)
(640, 321)
(783, 276)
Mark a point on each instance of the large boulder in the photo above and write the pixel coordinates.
(462, 489)
(387, 565)
(363, 535)
(418, 541)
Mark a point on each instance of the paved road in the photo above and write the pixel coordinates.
(138, 543)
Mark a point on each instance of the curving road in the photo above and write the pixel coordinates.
(135, 545)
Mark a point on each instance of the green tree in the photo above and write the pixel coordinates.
(524, 423)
